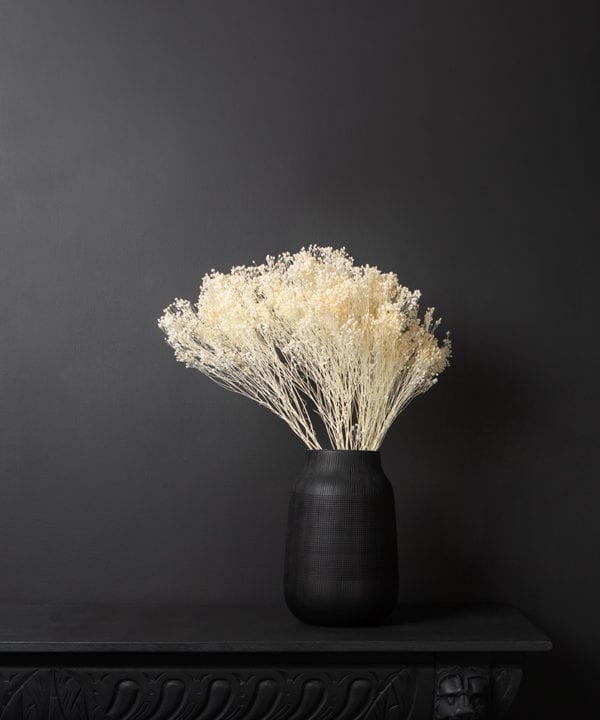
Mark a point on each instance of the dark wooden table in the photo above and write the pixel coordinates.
(248, 663)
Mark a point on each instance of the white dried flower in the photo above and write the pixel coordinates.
(312, 329)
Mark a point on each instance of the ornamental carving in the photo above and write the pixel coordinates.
(475, 692)
(119, 694)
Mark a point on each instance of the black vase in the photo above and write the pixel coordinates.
(341, 562)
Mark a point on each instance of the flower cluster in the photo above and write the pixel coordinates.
(312, 331)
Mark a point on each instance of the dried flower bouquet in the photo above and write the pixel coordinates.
(313, 331)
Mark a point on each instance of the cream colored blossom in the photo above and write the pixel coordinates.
(312, 331)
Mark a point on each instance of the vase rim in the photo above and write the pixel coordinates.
(333, 450)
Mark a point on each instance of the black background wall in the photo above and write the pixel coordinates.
(143, 143)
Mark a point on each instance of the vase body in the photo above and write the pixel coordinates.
(341, 563)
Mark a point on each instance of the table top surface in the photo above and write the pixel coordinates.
(224, 629)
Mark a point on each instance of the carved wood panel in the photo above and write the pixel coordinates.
(475, 691)
(124, 694)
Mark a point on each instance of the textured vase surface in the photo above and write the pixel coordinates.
(341, 564)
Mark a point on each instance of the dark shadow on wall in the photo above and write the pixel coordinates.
(466, 471)
(454, 442)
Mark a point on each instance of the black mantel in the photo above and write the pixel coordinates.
(249, 663)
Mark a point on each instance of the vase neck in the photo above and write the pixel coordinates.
(340, 460)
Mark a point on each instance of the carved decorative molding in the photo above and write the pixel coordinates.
(475, 692)
(506, 680)
(462, 692)
(119, 694)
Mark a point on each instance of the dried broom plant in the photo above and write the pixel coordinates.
(312, 330)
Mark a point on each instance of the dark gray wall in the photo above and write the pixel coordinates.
(143, 143)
